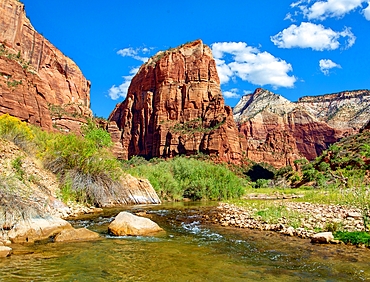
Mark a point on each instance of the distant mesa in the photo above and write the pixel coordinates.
(278, 131)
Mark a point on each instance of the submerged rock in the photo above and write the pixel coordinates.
(126, 223)
(81, 234)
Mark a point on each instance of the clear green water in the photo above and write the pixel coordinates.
(187, 251)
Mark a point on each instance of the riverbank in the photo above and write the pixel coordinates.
(301, 219)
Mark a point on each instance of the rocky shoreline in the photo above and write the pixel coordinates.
(314, 219)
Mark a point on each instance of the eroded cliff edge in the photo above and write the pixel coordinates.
(175, 106)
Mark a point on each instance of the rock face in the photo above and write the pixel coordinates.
(4, 251)
(38, 84)
(37, 229)
(126, 223)
(175, 106)
(278, 131)
(132, 191)
(80, 234)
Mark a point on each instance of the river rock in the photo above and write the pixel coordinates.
(322, 238)
(355, 215)
(126, 223)
(80, 234)
(37, 229)
(4, 251)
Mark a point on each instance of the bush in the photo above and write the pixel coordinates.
(190, 178)
(16, 131)
(98, 136)
(355, 238)
(86, 168)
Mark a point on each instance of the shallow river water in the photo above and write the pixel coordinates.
(187, 251)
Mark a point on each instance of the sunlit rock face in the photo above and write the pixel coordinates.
(278, 131)
(175, 106)
(38, 83)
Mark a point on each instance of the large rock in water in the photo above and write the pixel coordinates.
(38, 84)
(80, 234)
(37, 229)
(174, 106)
(278, 131)
(126, 223)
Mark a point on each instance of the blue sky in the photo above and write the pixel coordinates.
(293, 48)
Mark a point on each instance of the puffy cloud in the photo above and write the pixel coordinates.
(232, 93)
(315, 36)
(134, 53)
(250, 64)
(321, 10)
(326, 65)
(366, 11)
(116, 92)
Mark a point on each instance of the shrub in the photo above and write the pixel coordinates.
(98, 136)
(16, 131)
(190, 178)
(355, 238)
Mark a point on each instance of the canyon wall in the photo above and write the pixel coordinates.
(38, 84)
(174, 106)
(278, 131)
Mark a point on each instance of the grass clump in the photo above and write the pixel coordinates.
(355, 238)
(16, 203)
(184, 177)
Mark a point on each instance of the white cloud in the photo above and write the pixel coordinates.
(116, 92)
(250, 64)
(232, 93)
(366, 11)
(326, 65)
(309, 35)
(134, 53)
(321, 10)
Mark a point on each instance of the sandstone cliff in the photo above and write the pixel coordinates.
(38, 84)
(278, 131)
(175, 106)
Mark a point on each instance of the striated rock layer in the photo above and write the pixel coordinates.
(38, 84)
(278, 131)
(175, 106)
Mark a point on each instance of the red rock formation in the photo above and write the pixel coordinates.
(278, 131)
(175, 106)
(35, 75)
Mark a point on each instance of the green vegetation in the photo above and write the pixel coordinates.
(5, 52)
(87, 169)
(17, 165)
(355, 238)
(184, 177)
(193, 126)
(16, 131)
(14, 83)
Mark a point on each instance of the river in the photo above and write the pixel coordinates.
(187, 251)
